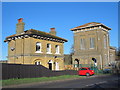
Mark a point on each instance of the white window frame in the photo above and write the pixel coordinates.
(57, 49)
(48, 50)
(37, 63)
(92, 42)
(39, 44)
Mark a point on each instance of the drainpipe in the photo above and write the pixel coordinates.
(108, 46)
(23, 50)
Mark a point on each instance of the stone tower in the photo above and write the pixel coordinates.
(91, 40)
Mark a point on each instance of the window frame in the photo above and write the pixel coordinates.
(57, 49)
(37, 63)
(40, 47)
(92, 42)
(48, 51)
(82, 43)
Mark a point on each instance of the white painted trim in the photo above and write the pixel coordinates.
(50, 61)
(19, 37)
(26, 35)
(16, 38)
(56, 66)
(9, 38)
(95, 64)
(39, 43)
(48, 53)
(38, 52)
(58, 53)
(90, 29)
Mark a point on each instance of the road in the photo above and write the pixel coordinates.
(108, 81)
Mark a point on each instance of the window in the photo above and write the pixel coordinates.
(105, 42)
(57, 49)
(92, 42)
(48, 48)
(38, 47)
(37, 63)
(83, 69)
(82, 43)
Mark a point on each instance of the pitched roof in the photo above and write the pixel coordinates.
(37, 32)
(112, 48)
(91, 24)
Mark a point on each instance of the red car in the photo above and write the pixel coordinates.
(85, 71)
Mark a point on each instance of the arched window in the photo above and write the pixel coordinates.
(38, 47)
(76, 63)
(37, 63)
(57, 49)
(48, 48)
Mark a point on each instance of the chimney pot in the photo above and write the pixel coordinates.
(20, 20)
(52, 29)
(20, 26)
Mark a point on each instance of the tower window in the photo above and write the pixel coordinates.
(92, 42)
(82, 43)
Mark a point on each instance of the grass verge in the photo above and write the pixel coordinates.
(40, 79)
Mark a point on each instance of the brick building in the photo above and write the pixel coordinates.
(91, 40)
(36, 47)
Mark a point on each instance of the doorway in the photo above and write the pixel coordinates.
(50, 64)
(76, 63)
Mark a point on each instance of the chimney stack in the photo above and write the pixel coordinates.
(20, 26)
(52, 31)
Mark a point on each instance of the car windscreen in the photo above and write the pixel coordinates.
(83, 69)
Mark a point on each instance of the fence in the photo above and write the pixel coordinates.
(29, 71)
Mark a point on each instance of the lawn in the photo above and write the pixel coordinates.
(40, 79)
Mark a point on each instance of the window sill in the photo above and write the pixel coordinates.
(82, 49)
(58, 53)
(38, 52)
(91, 48)
(49, 53)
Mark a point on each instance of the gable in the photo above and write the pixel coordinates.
(91, 24)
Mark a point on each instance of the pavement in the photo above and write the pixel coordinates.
(96, 81)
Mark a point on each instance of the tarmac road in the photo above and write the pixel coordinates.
(106, 81)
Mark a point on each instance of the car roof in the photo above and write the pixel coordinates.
(85, 67)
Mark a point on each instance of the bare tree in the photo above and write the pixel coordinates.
(72, 50)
